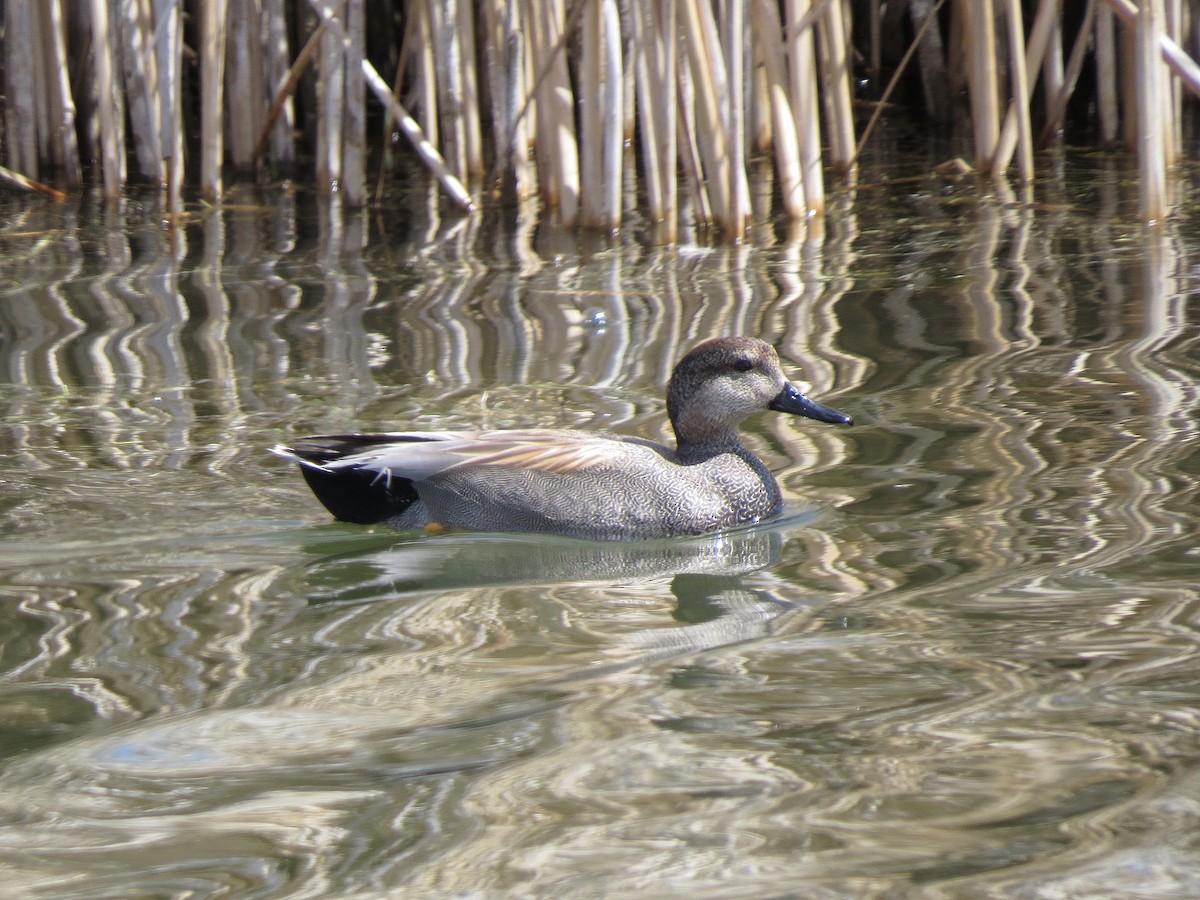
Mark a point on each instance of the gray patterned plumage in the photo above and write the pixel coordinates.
(558, 481)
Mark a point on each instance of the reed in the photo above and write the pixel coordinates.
(64, 148)
(1017, 119)
(803, 99)
(733, 109)
(277, 66)
(1020, 96)
(109, 103)
(982, 77)
(835, 86)
(212, 97)
(140, 65)
(1150, 81)
(472, 136)
(167, 41)
(783, 131)
(602, 121)
(557, 147)
(448, 81)
(246, 76)
(655, 81)
(1056, 103)
(331, 100)
(354, 130)
(1107, 110)
(544, 94)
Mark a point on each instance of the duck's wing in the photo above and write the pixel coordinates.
(417, 456)
(381, 452)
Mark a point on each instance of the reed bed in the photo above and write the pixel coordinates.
(520, 99)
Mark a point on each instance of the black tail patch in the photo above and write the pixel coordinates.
(359, 496)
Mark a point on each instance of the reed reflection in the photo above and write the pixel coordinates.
(976, 641)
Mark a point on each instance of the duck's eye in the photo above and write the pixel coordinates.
(743, 365)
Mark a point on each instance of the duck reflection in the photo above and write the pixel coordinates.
(466, 560)
(702, 579)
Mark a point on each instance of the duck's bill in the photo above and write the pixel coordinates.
(790, 400)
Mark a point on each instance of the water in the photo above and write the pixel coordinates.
(962, 664)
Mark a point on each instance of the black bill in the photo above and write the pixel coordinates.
(790, 400)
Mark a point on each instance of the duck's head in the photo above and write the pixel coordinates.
(723, 380)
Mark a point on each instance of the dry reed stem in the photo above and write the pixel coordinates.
(1150, 79)
(141, 87)
(835, 77)
(331, 99)
(283, 119)
(1035, 49)
(425, 72)
(29, 184)
(109, 101)
(19, 119)
(760, 130)
(602, 149)
(41, 91)
(64, 145)
(1057, 105)
(803, 101)
(520, 128)
(469, 78)
(511, 98)
(985, 94)
(408, 125)
(1179, 61)
(246, 78)
(494, 68)
(354, 124)
(1052, 63)
(557, 149)
(1171, 93)
(614, 112)
(689, 155)
(704, 60)
(1128, 86)
(287, 86)
(41, 100)
(212, 93)
(647, 41)
(787, 153)
(1106, 76)
(1020, 92)
(656, 109)
(561, 119)
(448, 63)
(591, 81)
(735, 121)
(168, 46)
(668, 141)
(732, 103)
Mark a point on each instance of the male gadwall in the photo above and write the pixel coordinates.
(573, 483)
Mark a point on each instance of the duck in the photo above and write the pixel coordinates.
(575, 483)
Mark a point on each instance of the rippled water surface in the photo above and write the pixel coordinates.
(964, 663)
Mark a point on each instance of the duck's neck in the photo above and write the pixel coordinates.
(697, 444)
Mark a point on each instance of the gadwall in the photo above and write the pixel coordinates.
(573, 483)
